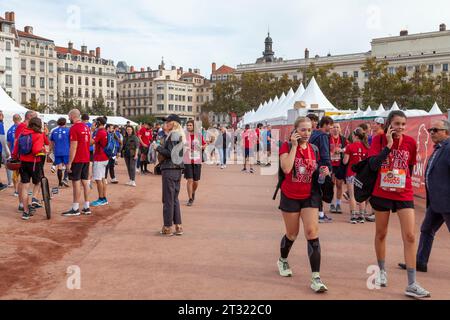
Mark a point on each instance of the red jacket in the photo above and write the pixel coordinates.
(38, 146)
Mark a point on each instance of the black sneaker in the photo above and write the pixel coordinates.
(20, 209)
(190, 203)
(65, 183)
(3, 187)
(26, 216)
(36, 204)
(71, 213)
(86, 211)
(338, 209)
(31, 210)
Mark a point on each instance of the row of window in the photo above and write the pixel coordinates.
(92, 70)
(137, 102)
(138, 85)
(23, 66)
(70, 92)
(23, 82)
(25, 98)
(70, 80)
(180, 108)
(137, 93)
(36, 50)
(137, 111)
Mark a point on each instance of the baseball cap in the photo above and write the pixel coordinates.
(173, 117)
(379, 120)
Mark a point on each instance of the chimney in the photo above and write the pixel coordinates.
(7, 16)
(12, 16)
(132, 69)
(28, 30)
(190, 70)
(181, 70)
(84, 49)
(214, 67)
(149, 69)
(70, 46)
(92, 52)
(306, 53)
(97, 52)
(403, 33)
(442, 26)
(142, 69)
(174, 68)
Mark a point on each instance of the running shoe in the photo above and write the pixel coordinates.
(332, 208)
(16, 194)
(11, 185)
(53, 169)
(65, 183)
(71, 213)
(370, 218)
(381, 279)
(360, 218)
(36, 204)
(3, 187)
(325, 219)
(114, 181)
(416, 291)
(86, 211)
(166, 232)
(133, 184)
(179, 230)
(190, 203)
(244, 170)
(317, 285)
(26, 216)
(97, 203)
(338, 209)
(104, 202)
(346, 196)
(251, 170)
(284, 268)
(354, 218)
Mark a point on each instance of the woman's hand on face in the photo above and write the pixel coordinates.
(389, 137)
(294, 139)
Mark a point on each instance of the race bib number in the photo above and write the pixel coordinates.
(393, 180)
(195, 155)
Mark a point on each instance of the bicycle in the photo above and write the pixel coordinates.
(45, 188)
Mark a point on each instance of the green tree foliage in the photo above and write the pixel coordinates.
(144, 119)
(65, 104)
(35, 106)
(99, 108)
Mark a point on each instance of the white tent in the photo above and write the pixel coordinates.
(9, 107)
(395, 107)
(381, 108)
(289, 103)
(435, 110)
(270, 113)
(313, 97)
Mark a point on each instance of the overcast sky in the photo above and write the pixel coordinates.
(194, 33)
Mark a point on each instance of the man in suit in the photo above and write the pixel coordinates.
(437, 182)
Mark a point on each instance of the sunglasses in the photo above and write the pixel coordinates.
(435, 130)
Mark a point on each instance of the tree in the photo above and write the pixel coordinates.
(99, 108)
(35, 106)
(66, 104)
(144, 119)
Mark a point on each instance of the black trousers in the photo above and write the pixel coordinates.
(131, 167)
(171, 180)
(110, 168)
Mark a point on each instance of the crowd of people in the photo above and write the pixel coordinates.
(316, 154)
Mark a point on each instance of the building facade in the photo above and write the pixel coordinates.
(430, 50)
(38, 68)
(162, 92)
(9, 56)
(86, 77)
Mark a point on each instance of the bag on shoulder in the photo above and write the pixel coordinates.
(111, 147)
(25, 144)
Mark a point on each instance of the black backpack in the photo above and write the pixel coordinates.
(365, 179)
(327, 189)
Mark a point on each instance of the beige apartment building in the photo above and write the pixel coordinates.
(430, 50)
(38, 68)
(9, 56)
(161, 92)
(85, 76)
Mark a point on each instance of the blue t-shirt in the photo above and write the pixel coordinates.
(119, 135)
(61, 137)
(2, 132)
(89, 125)
(10, 136)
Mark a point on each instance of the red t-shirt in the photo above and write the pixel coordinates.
(101, 140)
(357, 152)
(335, 143)
(299, 187)
(195, 154)
(146, 135)
(401, 157)
(80, 132)
(249, 138)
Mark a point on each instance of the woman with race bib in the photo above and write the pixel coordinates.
(393, 156)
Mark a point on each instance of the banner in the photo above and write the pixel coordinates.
(415, 127)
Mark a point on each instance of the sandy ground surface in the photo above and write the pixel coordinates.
(229, 250)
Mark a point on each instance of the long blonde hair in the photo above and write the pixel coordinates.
(177, 128)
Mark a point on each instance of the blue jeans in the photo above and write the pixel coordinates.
(430, 225)
(223, 156)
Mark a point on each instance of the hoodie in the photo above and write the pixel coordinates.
(322, 141)
(38, 146)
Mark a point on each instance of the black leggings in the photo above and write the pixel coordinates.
(110, 168)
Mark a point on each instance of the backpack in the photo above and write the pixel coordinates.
(111, 147)
(326, 189)
(365, 180)
(25, 144)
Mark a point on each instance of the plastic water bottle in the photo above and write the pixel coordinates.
(322, 176)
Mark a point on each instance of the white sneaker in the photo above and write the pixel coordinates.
(381, 279)
(416, 291)
(128, 183)
(133, 184)
(317, 285)
(284, 268)
(222, 167)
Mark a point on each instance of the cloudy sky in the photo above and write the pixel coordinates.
(194, 33)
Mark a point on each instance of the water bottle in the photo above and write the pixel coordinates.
(322, 176)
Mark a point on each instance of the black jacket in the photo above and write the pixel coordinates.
(130, 146)
(173, 151)
(438, 187)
